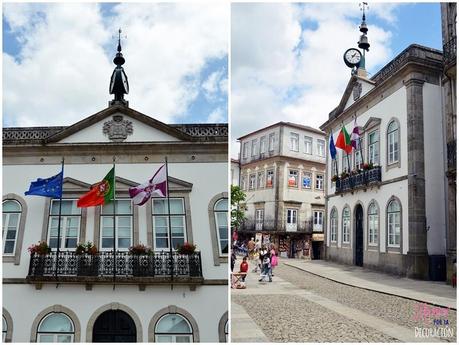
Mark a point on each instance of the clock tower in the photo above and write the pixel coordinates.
(119, 85)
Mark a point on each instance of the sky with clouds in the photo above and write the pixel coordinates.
(287, 59)
(57, 60)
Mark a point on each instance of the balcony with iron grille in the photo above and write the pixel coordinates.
(121, 267)
(270, 225)
(451, 156)
(359, 180)
(449, 53)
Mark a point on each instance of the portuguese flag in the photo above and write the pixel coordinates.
(343, 141)
(101, 193)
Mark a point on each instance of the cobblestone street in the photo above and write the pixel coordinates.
(302, 307)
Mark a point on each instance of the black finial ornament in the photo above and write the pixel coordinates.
(363, 42)
(119, 85)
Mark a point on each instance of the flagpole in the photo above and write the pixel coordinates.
(59, 221)
(114, 224)
(170, 225)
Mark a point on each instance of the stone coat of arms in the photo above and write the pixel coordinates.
(117, 129)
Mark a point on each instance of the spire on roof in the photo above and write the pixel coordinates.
(119, 85)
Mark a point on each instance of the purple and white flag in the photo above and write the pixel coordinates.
(156, 186)
(355, 135)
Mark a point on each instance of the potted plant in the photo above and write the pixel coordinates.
(368, 166)
(38, 253)
(141, 259)
(334, 178)
(344, 175)
(88, 260)
(186, 248)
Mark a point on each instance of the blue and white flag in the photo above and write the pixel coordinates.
(51, 187)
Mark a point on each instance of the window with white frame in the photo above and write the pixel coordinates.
(263, 144)
(261, 179)
(272, 138)
(293, 178)
(333, 225)
(4, 329)
(393, 139)
(254, 147)
(221, 222)
(345, 161)
(373, 220)
(393, 223)
(307, 180)
(346, 224)
(69, 226)
(161, 223)
(294, 141)
(123, 225)
(308, 145)
(291, 217)
(12, 211)
(318, 220)
(358, 161)
(252, 181)
(173, 328)
(245, 151)
(259, 214)
(244, 182)
(226, 331)
(319, 181)
(373, 147)
(269, 178)
(56, 328)
(321, 148)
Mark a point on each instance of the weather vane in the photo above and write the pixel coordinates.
(362, 6)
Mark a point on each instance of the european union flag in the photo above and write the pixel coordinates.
(51, 186)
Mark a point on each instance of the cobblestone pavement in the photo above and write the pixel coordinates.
(302, 307)
(391, 308)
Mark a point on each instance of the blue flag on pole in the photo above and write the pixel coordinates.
(332, 147)
(51, 186)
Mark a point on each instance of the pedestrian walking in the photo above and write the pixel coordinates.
(233, 258)
(274, 259)
(244, 268)
(266, 268)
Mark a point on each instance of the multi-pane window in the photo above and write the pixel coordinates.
(272, 138)
(161, 223)
(373, 220)
(321, 147)
(346, 225)
(373, 147)
(345, 161)
(252, 181)
(221, 222)
(262, 144)
(307, 178)
(173, 328)
(393, 138)
(55, 328)
(269, 178)
(259, 214)
(254, 147)
(358, 161)
(319, 182)
(11, 217)
(292, 219)
(245, 151)
(123, 225)
(69, 227)
(308, 145)
(261, 179)
(318, 220)
(393, 223)
(244, 182)
(294, 141)
(293, 178)
(333, 225)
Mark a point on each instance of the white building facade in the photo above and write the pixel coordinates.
(282, 173)
(184, 303)
(390, 214)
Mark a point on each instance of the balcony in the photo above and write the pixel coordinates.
(449, 53)
(305, 226)
(362, 179)
(451, 155)
(156, 268)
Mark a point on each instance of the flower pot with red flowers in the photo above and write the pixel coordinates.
(38, 254)
(141, 259)
(186, 248)
(88, 259)
(334, 178)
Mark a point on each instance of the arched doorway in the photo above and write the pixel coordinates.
(358, 217)
(114, 326)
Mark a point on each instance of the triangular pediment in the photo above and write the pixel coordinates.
(356, 88)
(372, 122)
(70, 184)
(118, 124)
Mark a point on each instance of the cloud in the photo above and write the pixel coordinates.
(62, 72)
(215, 84)
(287, 61)
(216, 116)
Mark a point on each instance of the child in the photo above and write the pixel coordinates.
(266, 268)
(244, 268)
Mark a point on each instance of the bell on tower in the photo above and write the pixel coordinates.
(119, 85)
(363, 41)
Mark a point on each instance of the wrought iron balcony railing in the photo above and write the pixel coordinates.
(449, 51)
(102, 264)
(360, 180)
(451, 154)
(271, 225)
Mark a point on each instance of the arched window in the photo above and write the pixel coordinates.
(393, 140)
(333, 225)
(173, 328)
(226, 331)
(56, 328)
(11, 218)
(393, 223)
(346, 224)
(221, 223)
(373, 224)
(4, 329)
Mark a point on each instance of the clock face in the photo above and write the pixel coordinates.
(352, 57)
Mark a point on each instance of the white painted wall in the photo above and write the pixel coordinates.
(286, 147)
